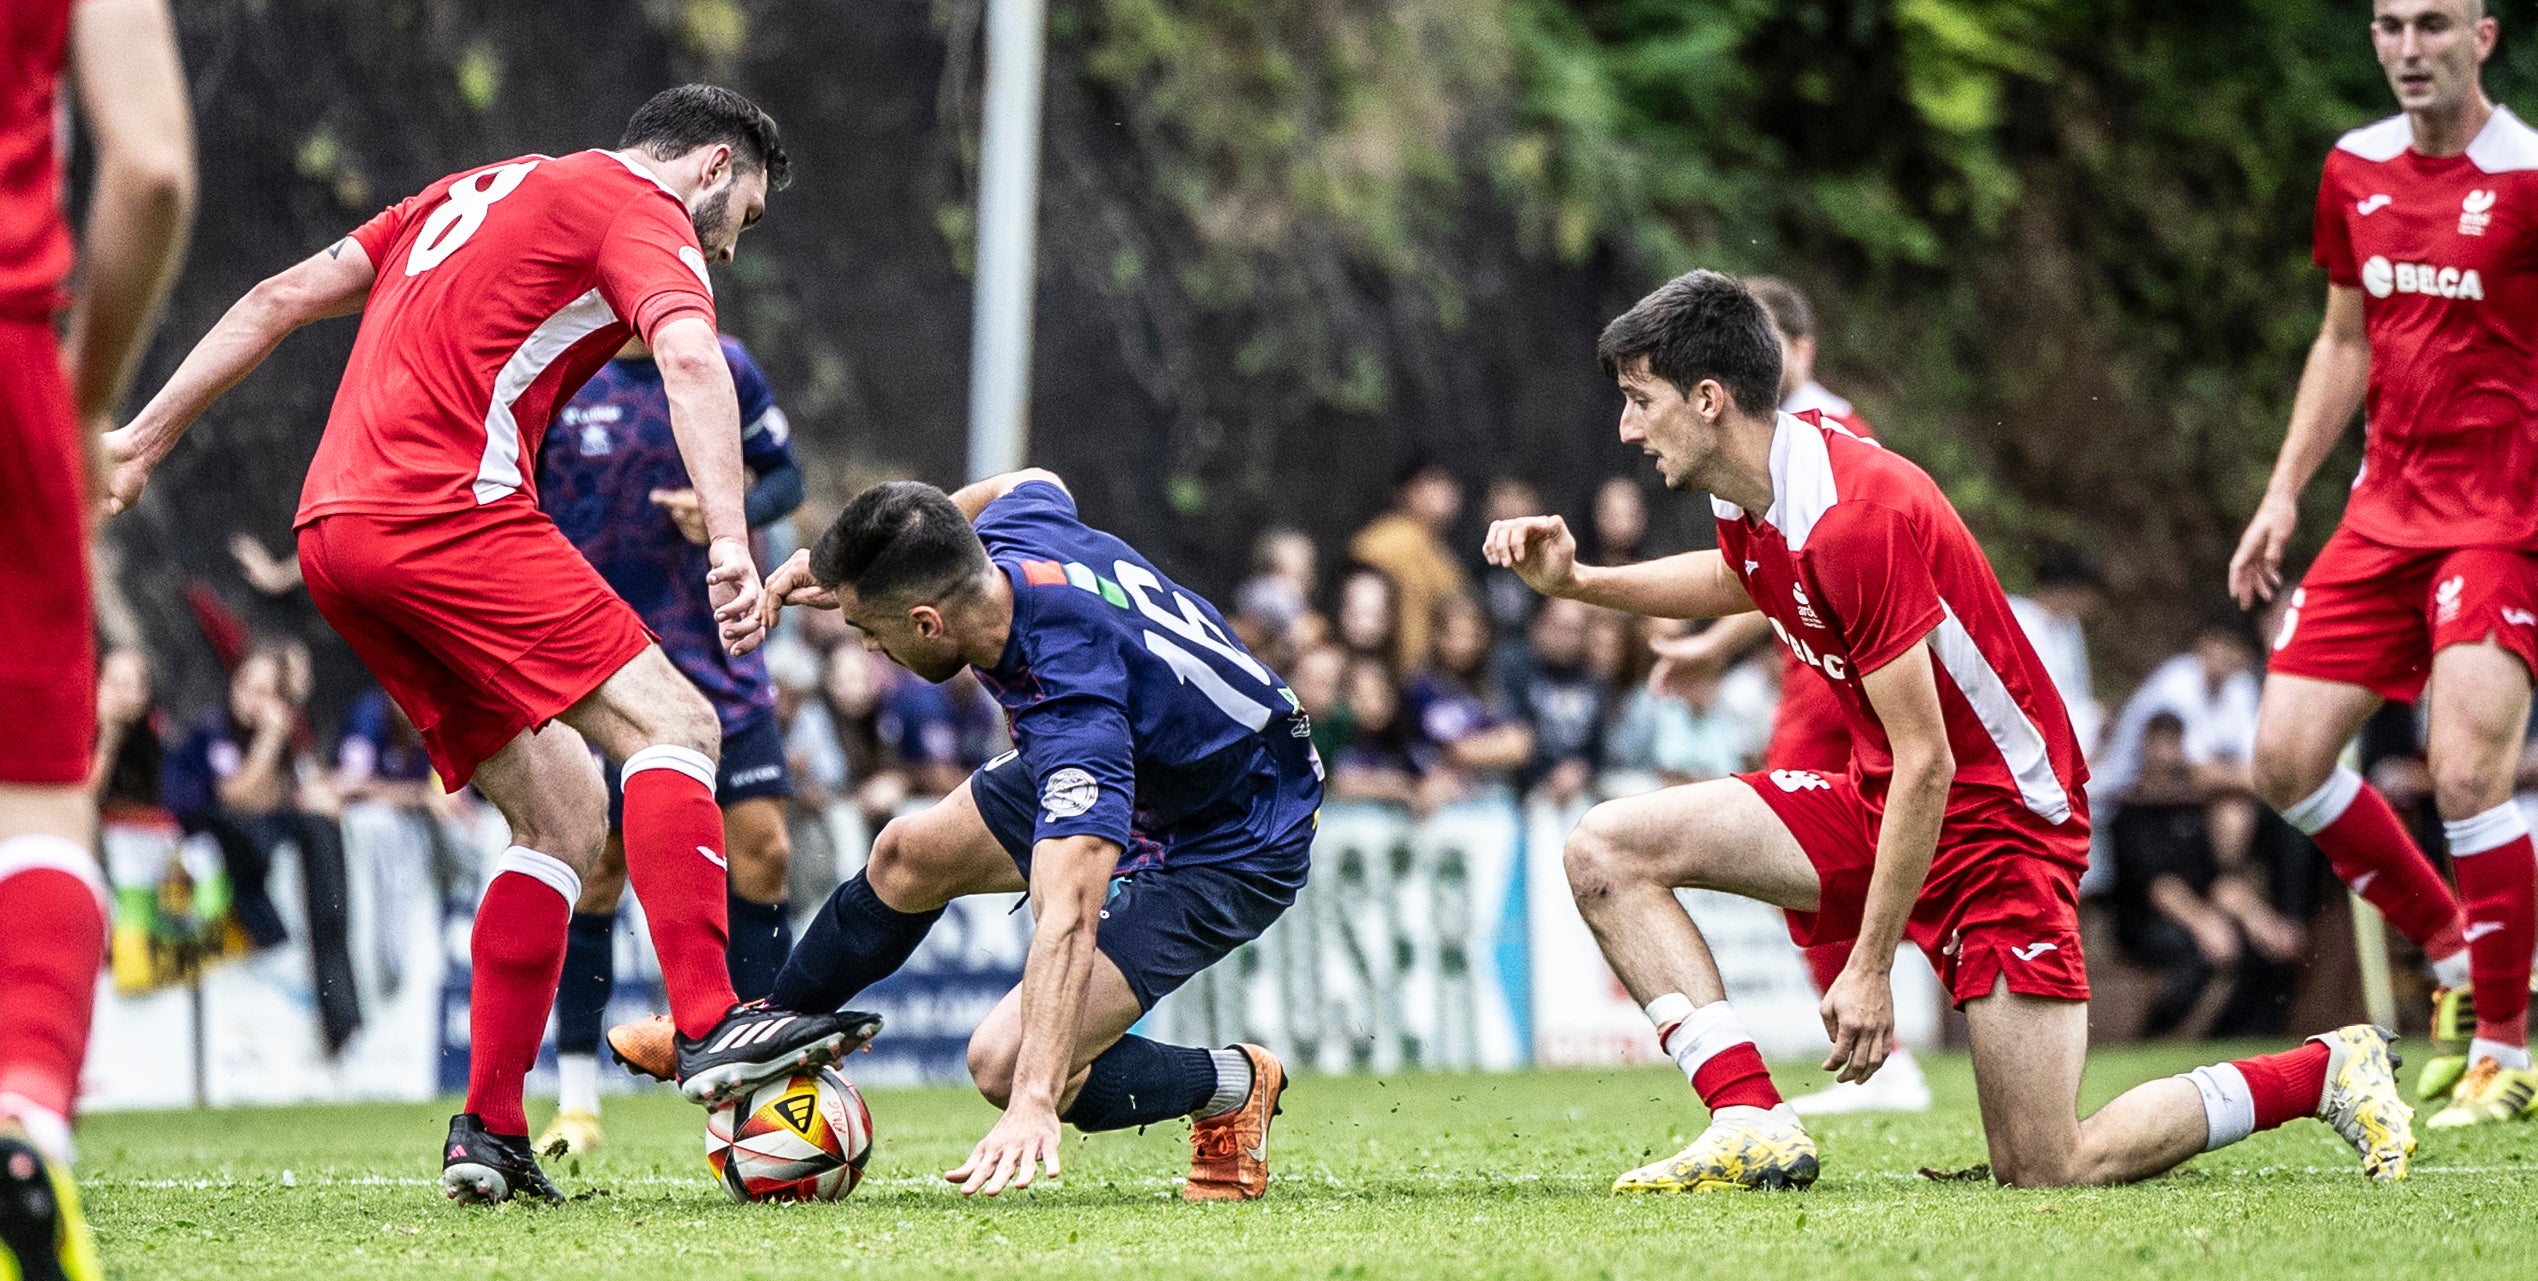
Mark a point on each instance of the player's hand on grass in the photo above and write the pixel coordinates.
(2256, 568)
(733, 588)
(792, 584)
(1025, 1138)
(1540, 549)
(685, 512)
(127, 470)
(1859, 1015)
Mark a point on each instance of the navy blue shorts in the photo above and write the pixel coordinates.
(1161, 925)
(753, 765)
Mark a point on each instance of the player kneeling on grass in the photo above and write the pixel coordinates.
(1962, 824)
(1158, 809)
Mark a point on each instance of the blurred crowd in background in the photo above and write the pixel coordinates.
(1430, 678)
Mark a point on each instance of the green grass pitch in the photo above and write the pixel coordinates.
(1407, 1176)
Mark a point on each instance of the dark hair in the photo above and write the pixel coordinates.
(677, 121)
(2066, 566)
(1418, 467)
(1788, 308)
(1699, 325)
(903, 540)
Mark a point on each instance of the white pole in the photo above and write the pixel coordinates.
(1008, 202)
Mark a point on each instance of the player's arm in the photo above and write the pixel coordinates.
(1070, 878)
(1859, 1009)
(131, 91)
(705, 418)
(973, 498)
(1543, 553)
(334, 282)
(2331, 386)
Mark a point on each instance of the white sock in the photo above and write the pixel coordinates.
(1696, 1035)
(2511, 1056)
(1233, 1083)
(578, 1075)
(2322, 807)
(47, 1129)
(2229, 1107)
(2451, 970)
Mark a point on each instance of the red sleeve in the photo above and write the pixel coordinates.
(377, 236)
(650, 269)
(1875, 578)
(2331, 241)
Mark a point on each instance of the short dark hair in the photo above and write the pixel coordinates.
(901, 540)
(1791, 314)
(1699, 325)
(677, 121)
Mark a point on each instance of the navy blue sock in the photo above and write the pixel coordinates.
(1140, 1082)
(761, 935)
(590, 975)
(856, 941)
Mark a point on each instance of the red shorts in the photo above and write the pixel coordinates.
(1993, 908)
(1809, 730)
(2372, 615)
(48, 663)
(480, 624)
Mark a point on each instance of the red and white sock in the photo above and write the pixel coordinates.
(1715, 1051)
(2371, 851)
(2246, 1095)
(518, 953)
(52, 941)
(675, 861)
(2498, 887)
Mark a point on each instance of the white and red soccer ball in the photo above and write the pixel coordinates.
(802, 1138)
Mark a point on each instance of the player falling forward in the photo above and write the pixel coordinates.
(2428, 229)
(120, 57)
(1158, 808)
(1808, 731)
(611, 476)
(1961, 824)
(486, 300)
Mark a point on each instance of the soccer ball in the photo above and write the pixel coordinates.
(803, 1138)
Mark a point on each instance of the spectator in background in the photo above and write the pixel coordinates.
(1318, 677)
(161, 931)
(1374, 764)
(2068, 591)
(1460, 733)
(1409, 546)
(939, 733)
(1509, 602)
(1273, 613)
(392, 802)
(1687, 723)
(1366, 622)
(2210, 691)
(1793, 320)
(2186, 911)
(242, 775)
(1562, 699)
(851, 693)
(1617, 523)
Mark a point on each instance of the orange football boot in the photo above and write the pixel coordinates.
(647, 1047)
(1229, 1154)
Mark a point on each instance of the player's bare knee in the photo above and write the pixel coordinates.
(2465, 788)
(991, 1060)
(1598, 861)
(2285, 776)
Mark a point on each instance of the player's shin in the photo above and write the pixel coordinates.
(52, 898)
(1140, 1082)
(854, 941)
(517, 950)
(2371, 851)
(581, 1008)
(1715, 1052)
(676, 864)
(2498, 886)
(761, 937)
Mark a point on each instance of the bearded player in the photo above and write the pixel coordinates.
(2427, 226)
(1961, 823)
(1807, 729)
(120, 58)
(486, 301)
(1158, 807)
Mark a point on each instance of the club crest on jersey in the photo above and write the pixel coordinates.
(2446, 597)
(1069, 792)
(2382, 278)
(1806, 608)
(2476, 211)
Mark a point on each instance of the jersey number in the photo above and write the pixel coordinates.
(1192, 626)
(462, 213)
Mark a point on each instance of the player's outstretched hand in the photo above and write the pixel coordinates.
(731, 584)
(792, 584)
(1859, 1016)
(2256, 568)
(1540, 549)
(127, 470)
(1025, 1138)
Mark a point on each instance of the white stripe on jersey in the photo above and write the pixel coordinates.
(498, 475)
(2021, 744)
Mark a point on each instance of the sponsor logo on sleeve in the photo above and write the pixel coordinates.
(696, 263)
(1068, 792)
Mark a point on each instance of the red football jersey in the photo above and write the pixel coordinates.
(1808, 730)
(1861, 558)
(35, 239)
(501, 290)
(2445, 252)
